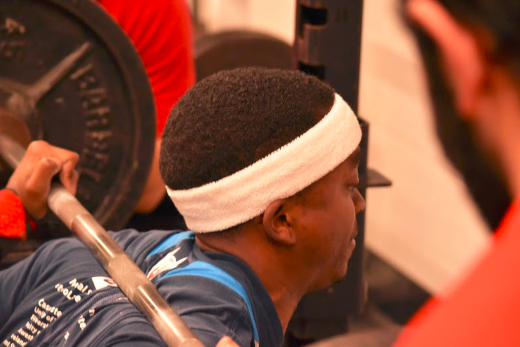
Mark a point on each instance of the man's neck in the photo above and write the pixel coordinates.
(283, 287)
(285, 290)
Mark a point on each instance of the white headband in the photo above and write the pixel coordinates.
(246, 194)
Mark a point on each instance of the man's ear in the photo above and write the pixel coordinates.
(462, 57)
(278, 222)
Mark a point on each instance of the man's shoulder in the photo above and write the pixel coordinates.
(211, 308)
(138, 245)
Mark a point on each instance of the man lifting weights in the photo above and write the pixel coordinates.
(263, 165)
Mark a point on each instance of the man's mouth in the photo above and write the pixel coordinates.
(355, 234)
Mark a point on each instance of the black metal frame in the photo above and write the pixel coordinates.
(327, 44)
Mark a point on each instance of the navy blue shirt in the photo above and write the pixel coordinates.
(62, 296)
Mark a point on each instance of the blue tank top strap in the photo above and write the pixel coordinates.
(204, 269)
(171, 241)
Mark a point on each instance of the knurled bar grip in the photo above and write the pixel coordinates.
(125, 273)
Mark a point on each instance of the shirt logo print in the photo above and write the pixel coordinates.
(169, 262)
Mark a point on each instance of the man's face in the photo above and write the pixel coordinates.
(459, 142)
(327, 223)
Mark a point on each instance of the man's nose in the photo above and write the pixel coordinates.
(359, 202)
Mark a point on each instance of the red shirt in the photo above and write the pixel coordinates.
(162, 33)
(12, 215)
(484, 310)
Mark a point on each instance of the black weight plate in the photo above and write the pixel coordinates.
(98, 103)
(232, 49)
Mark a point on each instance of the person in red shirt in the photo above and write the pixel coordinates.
(471, 51)
(162, 34)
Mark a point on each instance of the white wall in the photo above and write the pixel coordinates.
(424, 225)
(274, 17)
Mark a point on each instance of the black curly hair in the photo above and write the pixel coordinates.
(233, 118)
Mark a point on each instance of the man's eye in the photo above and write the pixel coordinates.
(351, 187)
(353, 184)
